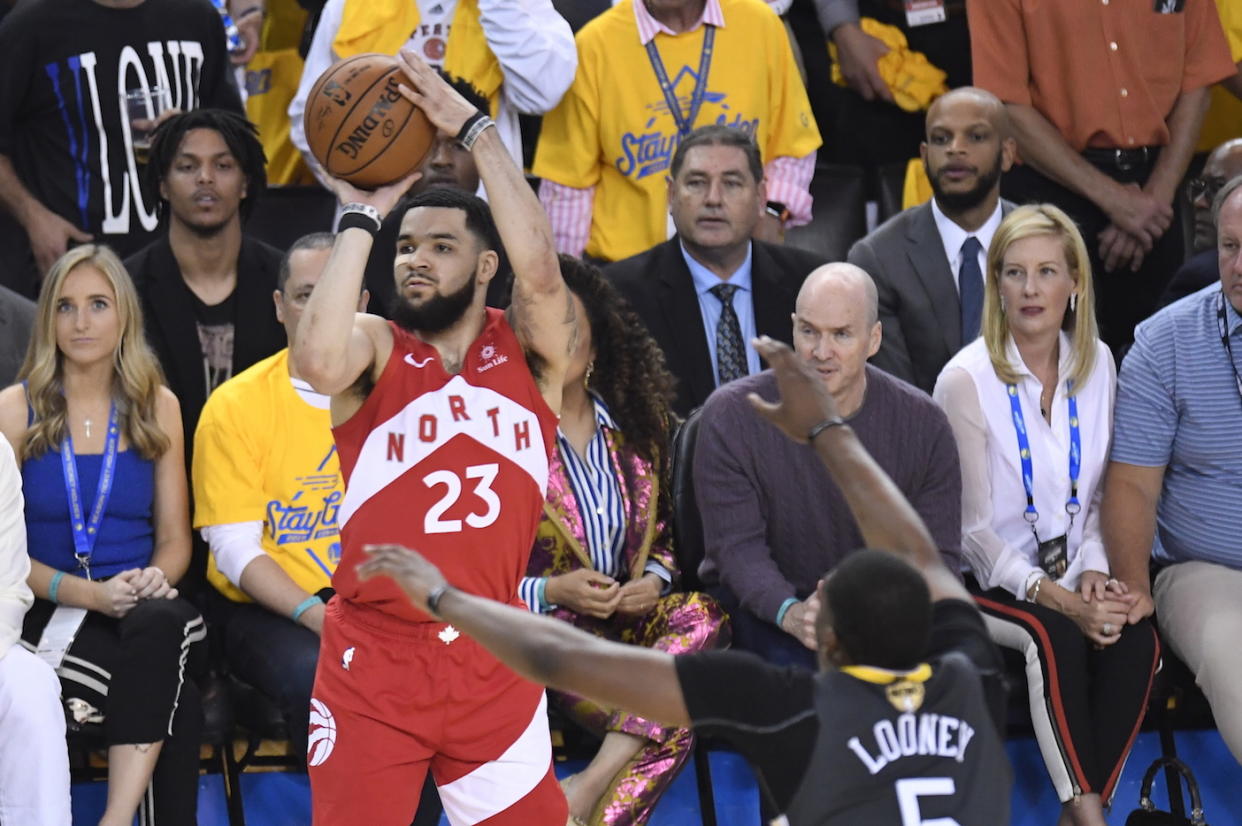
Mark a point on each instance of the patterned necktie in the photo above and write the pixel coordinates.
(730, 351)
(970, 287)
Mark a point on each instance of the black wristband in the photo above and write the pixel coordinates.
(468, 125)
(835, 421)
(357, 220)
(433, 599)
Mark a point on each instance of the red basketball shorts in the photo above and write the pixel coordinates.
(392, 699)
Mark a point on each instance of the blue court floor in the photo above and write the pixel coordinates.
(279, 799)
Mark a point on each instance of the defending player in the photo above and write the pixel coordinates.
(443, 433)
(875, 737)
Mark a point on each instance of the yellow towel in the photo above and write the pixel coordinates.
(917, 188)
(384, 26)
(914, 81)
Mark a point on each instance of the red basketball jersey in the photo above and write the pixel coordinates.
(455, 467)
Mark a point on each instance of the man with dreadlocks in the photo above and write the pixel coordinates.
(206, 289)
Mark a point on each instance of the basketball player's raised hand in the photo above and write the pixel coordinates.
(383, 199)
(409, 569)
(444, 107)
(804, 400)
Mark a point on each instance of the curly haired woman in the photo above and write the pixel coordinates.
(603, 557)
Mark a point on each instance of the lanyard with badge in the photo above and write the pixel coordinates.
(685, 123)
(62, 627)
(1052, 553)
(1222, 321)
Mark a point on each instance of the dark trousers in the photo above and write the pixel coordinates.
(277, 656)
(763, 637)
(139, 672)
(1122, 298)
(1086, 703)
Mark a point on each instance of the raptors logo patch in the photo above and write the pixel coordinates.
(322, 734)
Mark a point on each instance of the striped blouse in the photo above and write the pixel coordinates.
(596, 486)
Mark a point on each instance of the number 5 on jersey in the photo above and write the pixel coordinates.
(484, 476)
(911, 789)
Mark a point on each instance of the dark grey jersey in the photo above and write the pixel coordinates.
(904, 750)
(863, 746)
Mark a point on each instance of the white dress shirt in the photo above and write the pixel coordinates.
(953, 236)
(533, 43)
(996, 539)
(15, 595)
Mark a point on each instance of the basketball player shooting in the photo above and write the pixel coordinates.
(444, 420)
(890, 731)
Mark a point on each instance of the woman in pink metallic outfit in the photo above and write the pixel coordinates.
(603, 557)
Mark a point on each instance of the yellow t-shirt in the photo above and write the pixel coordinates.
(614, 131)
(262, 453)
(1224, 117)
(272, 78)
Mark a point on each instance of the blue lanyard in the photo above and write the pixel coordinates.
(684, 124)
(1222, 321)
(231, 35)
(86, 529)
(1072, 505)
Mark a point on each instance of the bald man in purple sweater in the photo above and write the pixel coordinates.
(773, 520)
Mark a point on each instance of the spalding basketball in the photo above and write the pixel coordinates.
(360, 128)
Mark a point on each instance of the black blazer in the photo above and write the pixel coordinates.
(17, 318)
(171, 330)
(658, 285)
(919, 305)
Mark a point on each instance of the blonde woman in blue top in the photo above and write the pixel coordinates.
(99, 439)
(1030, 403)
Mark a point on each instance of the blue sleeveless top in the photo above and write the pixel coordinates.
(126, 534)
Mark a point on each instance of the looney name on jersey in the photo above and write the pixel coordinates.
(938, 735)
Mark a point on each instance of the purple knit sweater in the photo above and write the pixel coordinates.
(773, 520)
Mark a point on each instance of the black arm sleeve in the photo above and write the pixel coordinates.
(765, 712)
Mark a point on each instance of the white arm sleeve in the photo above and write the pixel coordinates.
(15, 595)
(536, 50)
(319, 58)
(234, 546)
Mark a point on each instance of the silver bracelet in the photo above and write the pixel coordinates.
(469, 139)
(433, 599)
(356, 208)
(1033, 596)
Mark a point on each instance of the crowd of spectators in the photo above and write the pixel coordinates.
(1065, 280)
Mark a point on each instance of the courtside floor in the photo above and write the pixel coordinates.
(280, 799)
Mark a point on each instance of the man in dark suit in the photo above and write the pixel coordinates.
(17, 315)
(708, 291)
(928, 261)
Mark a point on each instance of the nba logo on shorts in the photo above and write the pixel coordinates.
(322, 734)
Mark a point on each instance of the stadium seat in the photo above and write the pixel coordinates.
(838, 216)
(285, 213)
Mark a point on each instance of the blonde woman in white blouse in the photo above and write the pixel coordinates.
(1031, 403)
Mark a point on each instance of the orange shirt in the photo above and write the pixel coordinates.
(1105, 73)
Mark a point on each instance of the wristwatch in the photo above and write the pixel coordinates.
(778, 211)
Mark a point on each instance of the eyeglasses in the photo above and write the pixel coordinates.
(1204, 187)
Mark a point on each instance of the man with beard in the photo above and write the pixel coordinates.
(206, 289)
(928, 261)
(446, 164)
(444, 419)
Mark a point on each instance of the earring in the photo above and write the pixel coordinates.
(1073, 302)
(1002, 304)
(586, 380)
